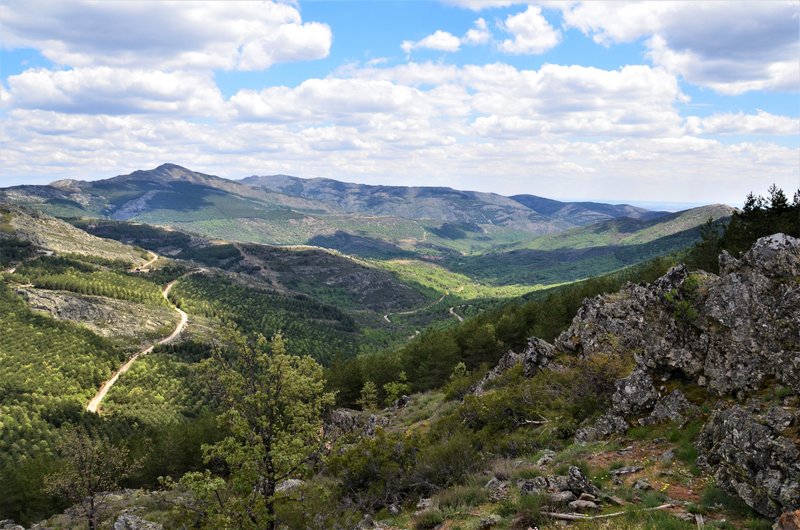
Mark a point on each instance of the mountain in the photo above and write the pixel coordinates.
(411, 202)
(523, 239)
(583, 213)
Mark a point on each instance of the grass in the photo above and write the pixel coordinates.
(461, 497)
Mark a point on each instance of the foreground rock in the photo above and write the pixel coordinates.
(728, 333)
(751, 459)
(736, 336)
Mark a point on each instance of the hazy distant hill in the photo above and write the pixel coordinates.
(412, 202)
(583, 213)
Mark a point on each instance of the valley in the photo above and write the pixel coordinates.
(111, 323)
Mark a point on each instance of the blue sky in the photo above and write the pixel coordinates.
(644, 101)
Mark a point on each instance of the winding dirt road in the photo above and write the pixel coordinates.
(94, 404)
(459, 317)
(146, 266)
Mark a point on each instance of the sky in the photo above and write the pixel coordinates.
(683, 102)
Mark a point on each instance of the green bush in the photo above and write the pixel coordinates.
(428, 519)
(445, 463)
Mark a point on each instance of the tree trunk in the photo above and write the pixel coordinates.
(91, 514)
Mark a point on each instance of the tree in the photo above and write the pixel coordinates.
(395, 389)
(369, 396)
(273, 405)
(92, 468)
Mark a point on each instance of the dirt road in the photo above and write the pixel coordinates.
(94, 404)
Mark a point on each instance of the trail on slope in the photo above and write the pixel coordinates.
(459, 317)
(146, 266)
(94, 404)
(423, 308)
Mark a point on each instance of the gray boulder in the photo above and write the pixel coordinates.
(128, 521)
(537, 354)
(751, 460)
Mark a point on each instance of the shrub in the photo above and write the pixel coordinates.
(444, 463)
(428, 519)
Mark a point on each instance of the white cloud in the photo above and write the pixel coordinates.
(744, 124)
(105, 90)
(439, 40)
(679, 168)
(479, 34)
(165, 34)
(732, 47)
(532, 34)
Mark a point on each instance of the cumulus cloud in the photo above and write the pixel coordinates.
(447, 42)
(531, 32)
(732, 47)
(164, 35)
(678, 168)
(105, 90)
(479, 34)
(439, 40)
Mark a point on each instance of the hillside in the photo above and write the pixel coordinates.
(628, 420)
(491, 240)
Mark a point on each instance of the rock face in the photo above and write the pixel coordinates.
(537, 354)
(728, 332)
(342, 422)
(733, 334)
(134, 522)
(751, 460)
(107, 317)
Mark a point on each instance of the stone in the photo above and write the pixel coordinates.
(562, 497)
(342, 422)
(583, 506)
(424, 504)
(606, 425)
(488, 521)
(546, 459)
(587, 497)
(779, 418)
(674, 407)
(667, 456)
(578, 484)
(751, 460)
(537, 354)
(393, 509)
(628, 470)
(746, 327)
(129, 521)
(9, 524)
(289, 485)
(498, 489)
(635, 394)
(642, 484)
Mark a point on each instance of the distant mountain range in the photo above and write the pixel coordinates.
(365, 220)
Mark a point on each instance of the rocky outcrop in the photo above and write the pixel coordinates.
(108, 317)
(574, 481)
(129, 521)
(733, 334)
(342, 422)
(729, 333)
(751, 459)
(536, 355)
